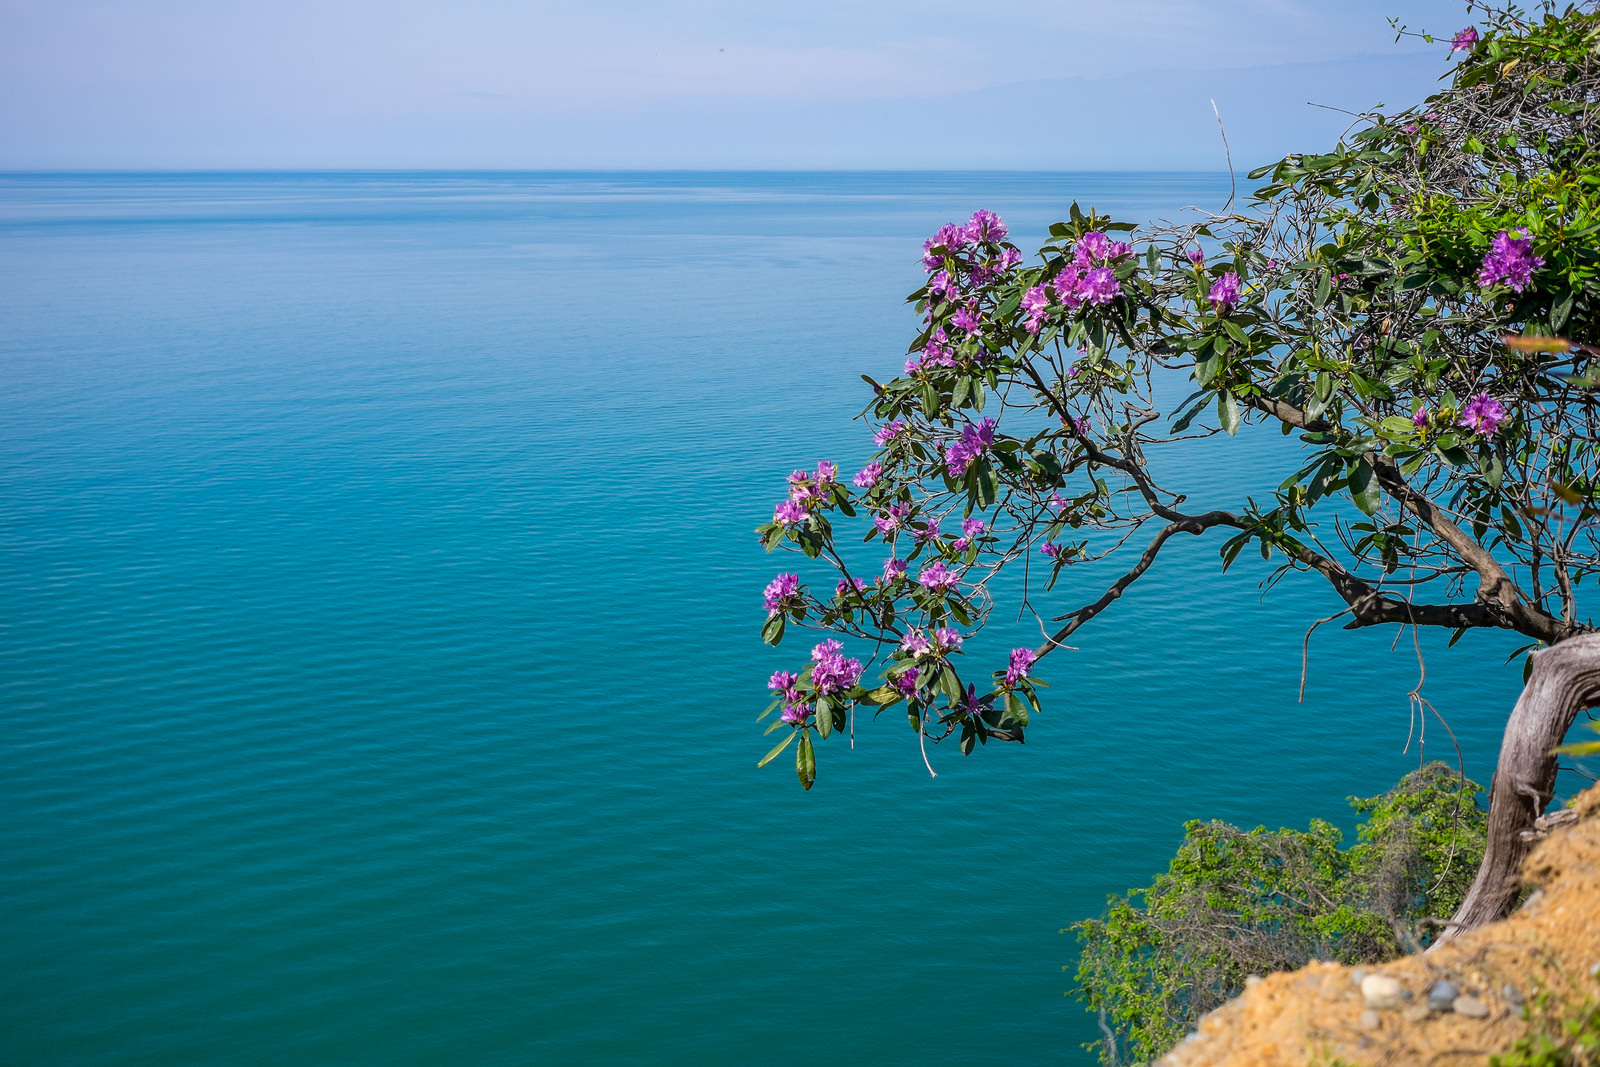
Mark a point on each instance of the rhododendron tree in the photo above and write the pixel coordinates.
(1417, 305)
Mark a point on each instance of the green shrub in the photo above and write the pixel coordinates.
(1235, 903)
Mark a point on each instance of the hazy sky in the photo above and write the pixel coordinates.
(705, 83)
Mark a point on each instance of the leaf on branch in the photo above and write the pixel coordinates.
(805, 761)
(779, 747)
(1228, 412)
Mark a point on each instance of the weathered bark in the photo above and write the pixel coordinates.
(1565, 681)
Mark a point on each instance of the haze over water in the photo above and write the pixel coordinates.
(379, 655)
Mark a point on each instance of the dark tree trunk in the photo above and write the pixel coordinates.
(1565, 681)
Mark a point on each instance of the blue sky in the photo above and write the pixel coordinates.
(696, 84)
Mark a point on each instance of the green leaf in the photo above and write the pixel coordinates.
(824, 715)
(1228, 412)
(1364, 487)
(772, 632)
(779, 747)
(805, 761)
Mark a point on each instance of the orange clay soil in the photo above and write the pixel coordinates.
(1314, 1016)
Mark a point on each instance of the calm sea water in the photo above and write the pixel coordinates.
(379, 656)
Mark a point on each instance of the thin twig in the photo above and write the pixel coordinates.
(1305, 649)
(1232, 185)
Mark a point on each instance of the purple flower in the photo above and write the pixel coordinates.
(788, 513)
(935, 354)
(1055, 503)
(1066, 287)
(833, 673)
(944, 286)
(845, 585)
(1100, 286)
(906, 683)
(894, 569)
(1463, 40)
(868, 476)
(915, 642)
(937, 578)
(949, 239)
(782, 682)
(1420, 418)
(887, 432)
(795, 714)
(929, 532)
(1483, 415)
(1225, 291)
(826, 472)
(1009, 258)
(799, 478)
(1197, 257)
(1053, 550)
(985, 226)
(1021, 662)
(1034, 302)
(948, 638)
(1119, 250)
(972, 527)
(779, 590)
(913, 365)
(1093, 245)
(967, 319)
(1510, 260)
(893, 519)
(974, 442)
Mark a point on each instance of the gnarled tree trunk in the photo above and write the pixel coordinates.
(1565, 681)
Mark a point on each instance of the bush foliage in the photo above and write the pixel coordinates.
(1239, 902)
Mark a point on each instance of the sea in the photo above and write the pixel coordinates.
(379, 637)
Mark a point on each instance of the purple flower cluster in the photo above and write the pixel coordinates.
(805, 493)
(975, 441)
(1463, 40)
(1090, 278)
(1035, 302)
(780, 591)
(891, 521)
(937, 578)
(1510, 261)
(833, 673)
(845, 585)
(936, 353)
(946, 638)
(1053, 550)
(915, 642)
(795, 708)
(1420, 417)
(1483, 415)
(1021, 662)
(1225, 291)
(975, 250)
(887, 432)
(894, 569)
(970, 528)
(906, 684)
(1197, 257)
(930, 531)
(868, 476)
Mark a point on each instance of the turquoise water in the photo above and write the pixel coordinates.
(379, 656)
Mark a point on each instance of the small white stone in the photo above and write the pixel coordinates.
(1471, 1007)
(1251, 980)
(1380, 991)
(1358, 976)
(1370, 1020)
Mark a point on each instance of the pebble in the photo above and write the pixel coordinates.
(1370, 1020)
(1513, 995)
(1358, 975)
(1471, 1007)
(1442, 995)
(1380, 991)
(1252, 980)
